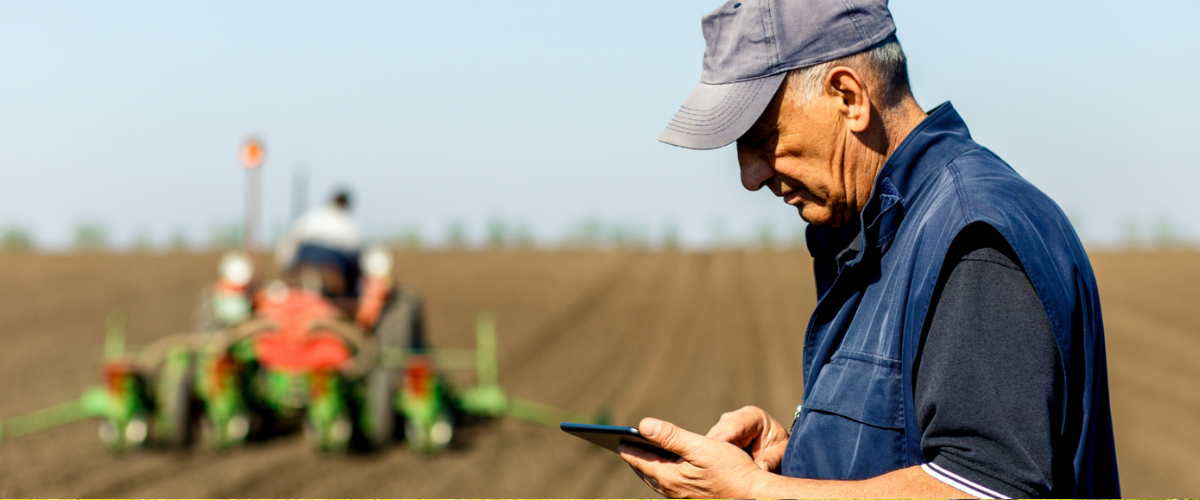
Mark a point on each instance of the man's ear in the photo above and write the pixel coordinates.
(856, 101)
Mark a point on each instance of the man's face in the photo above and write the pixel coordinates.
(798, 152)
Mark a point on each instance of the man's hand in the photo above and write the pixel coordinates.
(756, 431)
(714, 467)
(706, 468)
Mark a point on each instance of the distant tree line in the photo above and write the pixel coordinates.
(498, 233)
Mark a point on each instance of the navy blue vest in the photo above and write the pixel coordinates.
(875, 279)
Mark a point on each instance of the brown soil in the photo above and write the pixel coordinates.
(680, 336)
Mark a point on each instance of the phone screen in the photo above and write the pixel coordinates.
(609, 436)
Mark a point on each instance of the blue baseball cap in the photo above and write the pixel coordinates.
(750, 45)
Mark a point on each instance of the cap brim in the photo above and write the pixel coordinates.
(716, 115)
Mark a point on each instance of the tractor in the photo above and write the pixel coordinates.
(282, 356)
(265, 360)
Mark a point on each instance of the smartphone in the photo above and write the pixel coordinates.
(609, 436)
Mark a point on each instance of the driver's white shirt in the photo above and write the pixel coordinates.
(328, 226)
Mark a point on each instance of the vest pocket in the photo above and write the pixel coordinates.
(852, 422)
(862, 387)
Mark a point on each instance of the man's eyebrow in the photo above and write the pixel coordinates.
(758, 131)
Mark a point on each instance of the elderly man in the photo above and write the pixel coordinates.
(957, 347)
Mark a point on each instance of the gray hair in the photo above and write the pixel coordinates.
(883, 66)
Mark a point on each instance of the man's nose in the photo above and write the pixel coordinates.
(756, 173)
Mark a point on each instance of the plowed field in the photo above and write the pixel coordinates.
(680, 336)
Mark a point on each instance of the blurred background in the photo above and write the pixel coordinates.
(536, 122)
(508, 152)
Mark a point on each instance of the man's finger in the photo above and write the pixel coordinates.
(647, 465)
(668, 436)
(738, 427)
(723, 426)
(635, 469)
(651, 482)
(642, 455)
(770, 458)
(731, 423)
(650, 467)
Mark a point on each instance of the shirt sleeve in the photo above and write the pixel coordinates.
(987, 376)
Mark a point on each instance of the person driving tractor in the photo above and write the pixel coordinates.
(320, 251)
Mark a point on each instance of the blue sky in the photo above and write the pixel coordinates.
(544, 113)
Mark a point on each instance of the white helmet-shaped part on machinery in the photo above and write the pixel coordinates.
(236, 268)
(376, 261)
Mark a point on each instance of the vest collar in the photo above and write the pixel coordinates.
(934, 142)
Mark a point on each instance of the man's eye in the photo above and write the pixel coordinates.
(762, 141)
(765, 139)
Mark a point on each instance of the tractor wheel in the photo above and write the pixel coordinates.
(173, 408)
(402, 323)
(377, 418)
